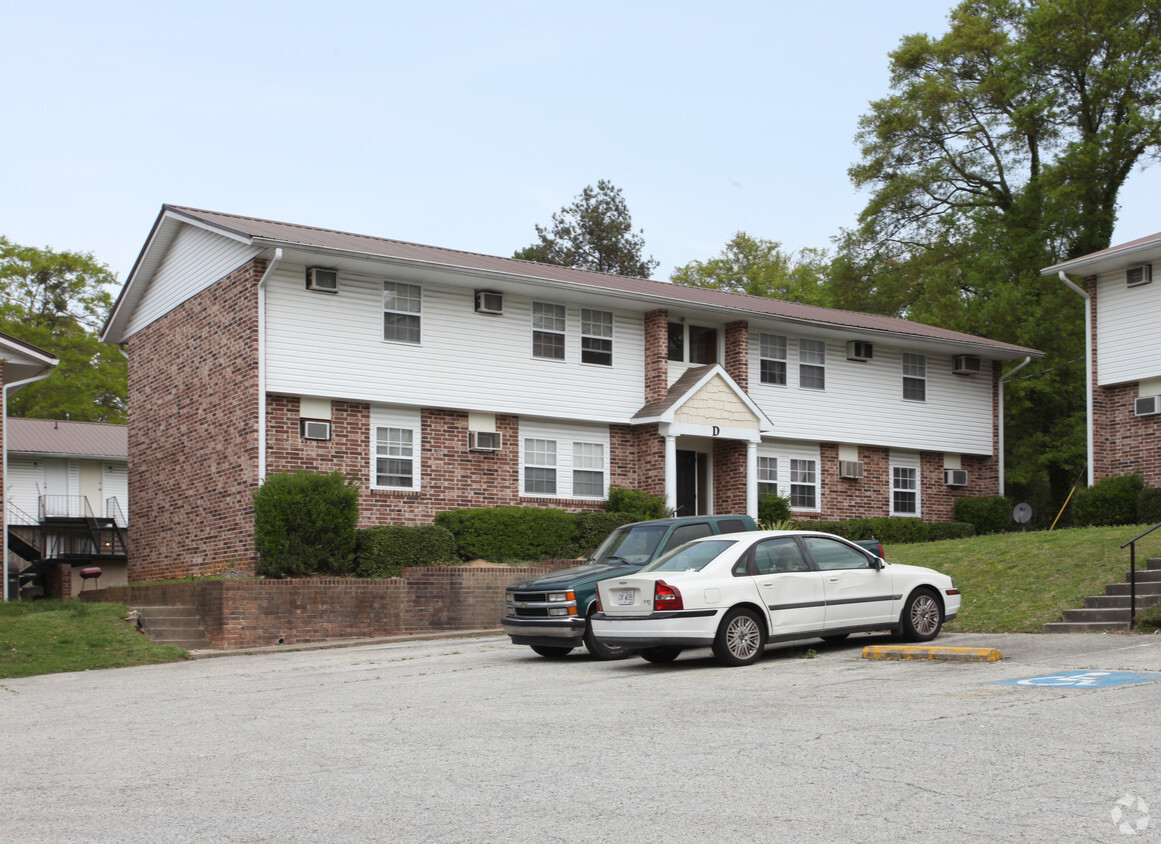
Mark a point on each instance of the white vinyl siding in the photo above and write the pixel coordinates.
(395, 448)
(333, 346)
(196, 260)
(1126, 329)
(863, 403)
(791, 469)
(560, 460)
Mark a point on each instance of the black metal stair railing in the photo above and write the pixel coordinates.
(1132, 546)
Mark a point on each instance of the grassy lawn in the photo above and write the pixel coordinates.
(44, 637)
(1015, 582)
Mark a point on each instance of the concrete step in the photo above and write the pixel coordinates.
(1145, 576)
(1102, 602)
(1096, 615)
(1142, 589)
(179, 626)
(1084, 627)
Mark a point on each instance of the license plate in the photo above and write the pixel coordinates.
(625, 598)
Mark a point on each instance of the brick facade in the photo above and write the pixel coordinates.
(737, 363)
(193, 433)
(729, 476)
(656, 356)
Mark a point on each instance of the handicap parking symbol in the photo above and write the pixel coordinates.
(1083, 679)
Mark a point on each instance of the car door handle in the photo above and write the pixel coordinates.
(833, 579)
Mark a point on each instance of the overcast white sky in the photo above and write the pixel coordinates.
(450, 123)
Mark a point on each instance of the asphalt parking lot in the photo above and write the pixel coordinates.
(478, 740)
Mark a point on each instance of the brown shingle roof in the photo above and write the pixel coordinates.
(72, 439)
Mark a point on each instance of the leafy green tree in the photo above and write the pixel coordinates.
(594, 233)
(58, 301)
(760, 267)
(1001, 150)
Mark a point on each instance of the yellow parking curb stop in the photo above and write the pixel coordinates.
(940, 654)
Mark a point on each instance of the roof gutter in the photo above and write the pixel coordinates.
(274, 262)
(1088, 374)
(4, 416)
(1004, 378)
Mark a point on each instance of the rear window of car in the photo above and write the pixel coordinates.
(631, 545)
(693, 557)
(731, 525)
(684, 533)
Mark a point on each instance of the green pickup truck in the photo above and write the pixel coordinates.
(551, 612)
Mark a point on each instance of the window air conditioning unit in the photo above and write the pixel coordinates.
(955, 477)
(860, 351)
(322, 280)
(850, 469)
(484, 440)
(1147, 406)
(489, 302)
(966, 365)
(1139, 274)
(315, 430)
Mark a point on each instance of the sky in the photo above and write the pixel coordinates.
(450, 123)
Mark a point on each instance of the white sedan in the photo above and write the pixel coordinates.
(739, 592)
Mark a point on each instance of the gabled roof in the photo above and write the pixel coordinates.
(269, 234)
(687, 386)
(56, 438)
(23, 360)
(1142, 250)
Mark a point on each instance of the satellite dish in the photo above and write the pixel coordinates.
(1022, 513)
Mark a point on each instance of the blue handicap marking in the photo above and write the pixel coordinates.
(1082, 679)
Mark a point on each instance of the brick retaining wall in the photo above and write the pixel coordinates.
(238, 614)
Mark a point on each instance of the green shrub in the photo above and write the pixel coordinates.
(950, 530)
(304, 523)
(640, 505)
(773, 510)
(987, 513)
(1149, 506)
(900, 531)
(593, 526)
(1110, 501)
(385, 549)
(847, 528)
(1148, 618)
(500, 534)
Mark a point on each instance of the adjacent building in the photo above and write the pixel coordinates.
(443, 379)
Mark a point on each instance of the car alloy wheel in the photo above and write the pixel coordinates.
(741, 638)
(922, 617)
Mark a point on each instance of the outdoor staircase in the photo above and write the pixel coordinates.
(1110, 611)
(181, 626)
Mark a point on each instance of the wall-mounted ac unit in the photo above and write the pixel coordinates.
(860, 350)
(850, 469)
(322, 280)
(955, 477)
(489, 302)
(966, 365)
(313, 429)
(1138, 274)
(484, 440)
(1147, 406)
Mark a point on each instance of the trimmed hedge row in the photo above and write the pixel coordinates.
(502, 534)
(891, 530)
(385, 549)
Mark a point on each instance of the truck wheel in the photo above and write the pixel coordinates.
(659, 655)
(551, 652)
(599, 649)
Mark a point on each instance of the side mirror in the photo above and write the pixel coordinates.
(877, 563)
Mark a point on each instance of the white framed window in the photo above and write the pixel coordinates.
(767, 475)
(539, 466)
(812, 364)
(402, 307)
(804, 484)
(772, 359)
(564, 460)
(914, 377)
(596, 337)
(588, 470)
(395, 436)
(904, 484)
(548, 325)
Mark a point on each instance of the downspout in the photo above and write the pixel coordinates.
(4, 416)
(1088, 374)
(1004, 378)
(262, 364)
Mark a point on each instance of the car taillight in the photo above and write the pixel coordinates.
(599, 607)
(666, 597)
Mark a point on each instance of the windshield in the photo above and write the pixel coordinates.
(693, 556)
(630, 545)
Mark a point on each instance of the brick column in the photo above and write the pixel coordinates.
(656, 355)
(738, 352)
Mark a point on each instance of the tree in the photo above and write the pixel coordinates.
(58, 301)
(594, 233)
(1002, 150)
(760, 268)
